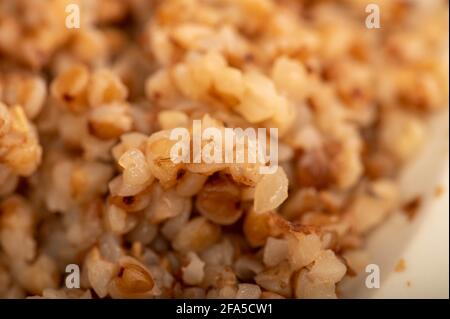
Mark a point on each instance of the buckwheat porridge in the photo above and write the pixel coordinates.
(86, 115)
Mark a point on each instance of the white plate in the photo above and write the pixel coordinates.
(422, 243)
